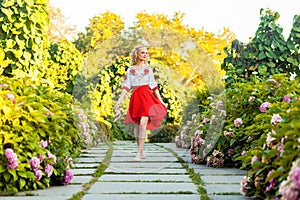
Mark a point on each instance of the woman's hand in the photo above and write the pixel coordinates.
(116, 107)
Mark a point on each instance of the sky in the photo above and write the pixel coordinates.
(240, 16)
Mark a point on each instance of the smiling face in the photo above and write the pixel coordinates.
(142, 54)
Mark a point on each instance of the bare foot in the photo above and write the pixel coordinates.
(137, 157)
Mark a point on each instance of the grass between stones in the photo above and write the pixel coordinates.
(193, 175)
(99, 172)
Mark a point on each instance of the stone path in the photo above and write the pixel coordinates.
(160, 176)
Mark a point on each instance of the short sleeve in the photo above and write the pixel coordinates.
(152, 82)
(126, 82)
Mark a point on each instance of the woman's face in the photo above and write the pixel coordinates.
(142, 54)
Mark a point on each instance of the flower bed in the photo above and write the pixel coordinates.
(260, 134)
(39, 136)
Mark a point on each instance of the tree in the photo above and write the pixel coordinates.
(174, 43)
(59, 28)
(101, 28)
(266, 54)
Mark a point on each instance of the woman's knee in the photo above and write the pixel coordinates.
(143, 121)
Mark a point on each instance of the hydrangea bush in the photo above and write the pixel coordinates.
(38, 136)
(260, 134)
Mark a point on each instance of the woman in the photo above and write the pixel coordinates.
(145, 110)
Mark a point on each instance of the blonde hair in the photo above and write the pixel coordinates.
(133, 56)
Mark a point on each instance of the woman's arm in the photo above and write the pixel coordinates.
(156, 92)
(124, 91)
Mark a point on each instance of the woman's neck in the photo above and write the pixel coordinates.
(139, 64)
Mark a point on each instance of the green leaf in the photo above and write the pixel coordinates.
(14, 173)
(30, 2)
(7, 3)
(2, 54)
(261, 56)
(8, 12)
(6, 176)
(30, 175)
(10, 43)
(22, 174)
(22, 183)
(2, 169)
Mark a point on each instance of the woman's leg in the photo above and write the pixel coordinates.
(142, 137)
(136, 133)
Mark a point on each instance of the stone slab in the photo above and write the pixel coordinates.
(155, 165)
(148, 154)
(61, 191)
(204, 170)
(228, 197)
(145, 170)
(83, 171)
(141, 197)
(140, 187)
(81, 179)
(94, 151)
(58, 197)
(222, 188)
(91, 155)
(89, 160)
(86, 165)
(221, 179)
(221, 171)
(148, 159)
(145, 178)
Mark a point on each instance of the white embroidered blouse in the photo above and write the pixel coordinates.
(134, 78)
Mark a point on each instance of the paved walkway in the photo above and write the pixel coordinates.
(160, 176)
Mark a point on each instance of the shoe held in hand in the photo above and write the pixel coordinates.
(117, 115)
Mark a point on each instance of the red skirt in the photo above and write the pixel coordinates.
(144, 104)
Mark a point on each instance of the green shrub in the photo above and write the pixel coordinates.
(37, 128)
(165, 135)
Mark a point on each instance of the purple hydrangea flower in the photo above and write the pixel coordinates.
(286, 99)
(48, 170)
(68, 176)
(12, 159)
(264, 106)
(34, 163)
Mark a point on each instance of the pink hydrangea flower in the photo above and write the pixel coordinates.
(238, 122)
(205, 120)
(295, 177)
(286, 99)
(48, 170)
(3, 85)
(44, 144)
(251, 98)
(34, 163)
(50, 155)
(219, 105)
(198, 132)
(228, 133)
(85, 134)
(38, 174)
(82, 116)
(272, 182)
(264, 106)
(10, 96)
(254, 159)
(276, 119)
(12, 159)
(68, 176)
(42, 158)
